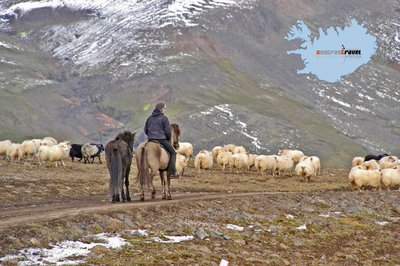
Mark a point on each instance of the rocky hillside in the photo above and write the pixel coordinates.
(86, 70)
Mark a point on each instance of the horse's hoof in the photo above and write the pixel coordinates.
(169, 198)
(141, 199)
(129, 199)
(115, 200)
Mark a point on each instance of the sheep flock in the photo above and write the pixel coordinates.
(382, 171)
(47, 149)
(238, 160)
(375, 171)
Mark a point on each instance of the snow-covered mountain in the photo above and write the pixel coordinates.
(119, 35)
(85, 70)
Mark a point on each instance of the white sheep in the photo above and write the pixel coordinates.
(56, 153)
(357, 161)
(224, 159)
(203, 160)
(186, 149)
(239, 162)
(216, 151)
(388, 162)
(359, 177)
(315, 161)
(370, 165)
(239, 149)
(181, 163)
(390, 177)
(284, 163)
(4, 146)
(29, 148)
(305, 169)
(294, 154)
(265, 162)
(48, 141)
(14, 152)
(229, 147)
(251, 160)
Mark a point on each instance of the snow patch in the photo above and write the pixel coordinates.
(5, 45)
(289, 217)
(60, 252)
(339, 101)
(234, 227)
(172, 239)
(381, 223)
(302, 227)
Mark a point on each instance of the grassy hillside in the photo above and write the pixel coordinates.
(22, 69)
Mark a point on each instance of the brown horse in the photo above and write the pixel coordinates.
(150, 158)
(119, 158)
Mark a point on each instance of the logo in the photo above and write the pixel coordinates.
(341, 52)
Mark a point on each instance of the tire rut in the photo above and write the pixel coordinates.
(46, 212)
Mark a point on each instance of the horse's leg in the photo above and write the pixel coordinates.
(123, 198)
(163, 192)
(120, 194)
(153, 192)
(118, 189)
(141, 193)
(168, 186)
(124, 175)
(128, 195)
(153, 189)
(115, 193)
(115, 198)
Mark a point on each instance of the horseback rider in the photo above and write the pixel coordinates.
(158, 128)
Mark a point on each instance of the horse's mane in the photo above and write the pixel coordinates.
(123, 135)
(176, 128)
(126, 136)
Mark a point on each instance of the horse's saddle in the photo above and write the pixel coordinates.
(156, 141)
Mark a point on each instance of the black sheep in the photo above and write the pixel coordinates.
(374, 157)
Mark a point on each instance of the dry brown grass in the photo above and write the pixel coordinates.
(28, 183)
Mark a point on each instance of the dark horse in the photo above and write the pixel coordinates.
(119, 158)
(150, 158)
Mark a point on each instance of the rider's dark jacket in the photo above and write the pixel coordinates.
(158, 126)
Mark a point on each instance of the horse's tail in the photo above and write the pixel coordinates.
(115, 172)
(143, 169)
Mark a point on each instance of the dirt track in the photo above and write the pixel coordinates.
(32, 214)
